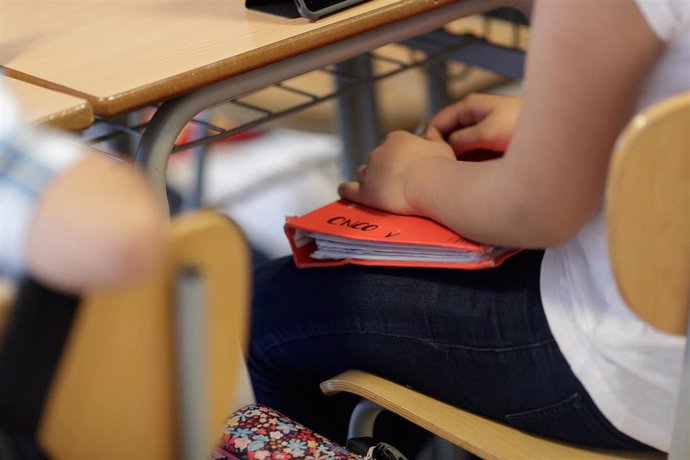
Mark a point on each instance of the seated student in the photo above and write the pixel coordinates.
(544, 342)
(71, 219)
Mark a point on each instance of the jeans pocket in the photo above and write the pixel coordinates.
(573, 420)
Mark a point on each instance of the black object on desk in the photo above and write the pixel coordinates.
(311, 9)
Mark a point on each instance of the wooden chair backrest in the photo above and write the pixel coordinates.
(114, 393)
(7, 293)
(648, 214)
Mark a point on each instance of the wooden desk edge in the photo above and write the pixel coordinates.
(74, 119)
(70, 113)
(116, 104)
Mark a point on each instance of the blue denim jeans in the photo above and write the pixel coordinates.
(476, 339)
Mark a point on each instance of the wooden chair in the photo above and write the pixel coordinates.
(148, 371)
(648, 215)
(7, 290)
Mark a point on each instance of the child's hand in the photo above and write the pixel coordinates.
(387, 180)
(480, 121)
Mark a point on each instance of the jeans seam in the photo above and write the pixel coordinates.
(425, 341)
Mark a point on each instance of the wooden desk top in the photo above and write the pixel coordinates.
(122, 54)
(41, 105)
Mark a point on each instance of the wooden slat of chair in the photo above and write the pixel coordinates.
(480, 436)
(7, 292)
(114, 393)
(648, 202)
(648, 217)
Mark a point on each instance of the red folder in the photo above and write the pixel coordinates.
(349, 233)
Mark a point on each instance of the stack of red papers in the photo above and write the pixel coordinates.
(347, 233)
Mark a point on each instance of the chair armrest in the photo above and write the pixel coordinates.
(481, 436)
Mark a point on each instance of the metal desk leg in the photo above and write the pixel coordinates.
(436, 87)
(357, 113)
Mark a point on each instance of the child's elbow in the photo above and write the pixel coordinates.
(548, 228)
(553, 235)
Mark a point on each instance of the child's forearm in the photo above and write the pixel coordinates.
(491, 202)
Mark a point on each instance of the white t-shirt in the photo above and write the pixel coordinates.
(631, 370)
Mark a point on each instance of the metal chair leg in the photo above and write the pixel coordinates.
(363, 418)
